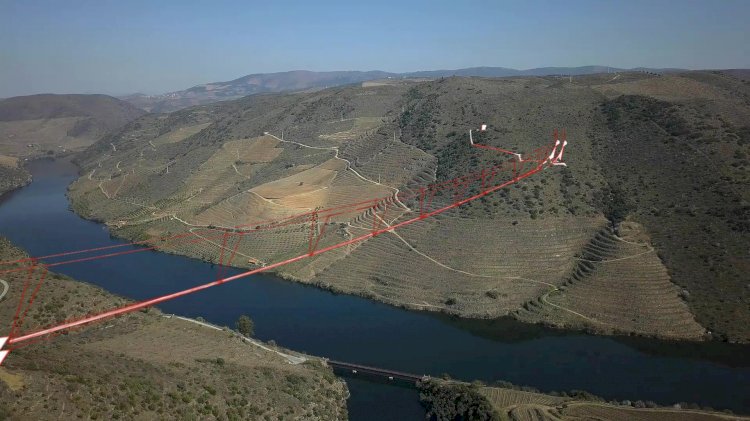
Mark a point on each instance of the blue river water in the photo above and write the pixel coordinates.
(304, 318)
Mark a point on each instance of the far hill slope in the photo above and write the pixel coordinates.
(12, 174)
(550, 249)
(449, 399)
(36, 124)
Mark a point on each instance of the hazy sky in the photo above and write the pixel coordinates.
(127, 46)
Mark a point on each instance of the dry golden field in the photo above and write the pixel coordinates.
(8, 161)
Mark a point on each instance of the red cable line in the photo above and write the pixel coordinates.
(314, 216)
(33, 297)
(21, 301)
(183, 240)
(157, 300)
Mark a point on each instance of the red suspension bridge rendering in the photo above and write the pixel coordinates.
(377, 216)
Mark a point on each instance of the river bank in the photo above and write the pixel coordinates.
(163, 366)
(353, 329)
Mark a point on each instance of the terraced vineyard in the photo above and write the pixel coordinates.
(517, 405)
(423, 266)
(351, 129)
(502, 398)
(243, 208)
(539, 250)
(179, 134)
(599, 411)
(391, 162)
(618, 285)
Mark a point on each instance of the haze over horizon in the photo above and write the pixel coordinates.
(169, 46)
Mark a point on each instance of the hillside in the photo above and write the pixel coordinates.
(519, 405)
(12, 174)
(122, 369)
(607, 244)
(447, 399)
(48, 124)
(300, 80)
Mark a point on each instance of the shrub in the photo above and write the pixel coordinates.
(455, 402)
(245, 325)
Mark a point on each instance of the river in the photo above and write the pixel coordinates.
(37, 218)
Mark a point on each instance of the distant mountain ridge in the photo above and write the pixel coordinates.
(296, 80)
(300, 80)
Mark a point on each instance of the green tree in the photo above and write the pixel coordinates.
(455, 402)
(245, 325)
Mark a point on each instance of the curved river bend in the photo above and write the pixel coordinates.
(353, 329)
